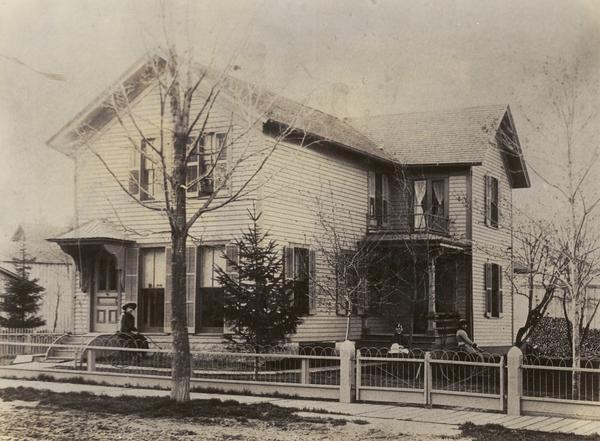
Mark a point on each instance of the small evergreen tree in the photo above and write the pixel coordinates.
(257, 302)
(23, 295)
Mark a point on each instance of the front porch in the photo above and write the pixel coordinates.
(422, 282)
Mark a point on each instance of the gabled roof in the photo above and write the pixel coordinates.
(443, 137)
(101, 230)
(270, 106)
(36, 245)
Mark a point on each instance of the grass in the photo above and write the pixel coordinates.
(495, 432)
(153, 407)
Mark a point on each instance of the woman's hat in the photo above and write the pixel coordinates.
(129, 305)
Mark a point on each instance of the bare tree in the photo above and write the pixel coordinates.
(174, 139)
(574, 142)
(535, 253)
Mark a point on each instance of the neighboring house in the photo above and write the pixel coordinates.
(5, 277)
(54, 270)
(452, 199)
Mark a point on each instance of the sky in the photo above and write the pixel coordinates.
(386, 56)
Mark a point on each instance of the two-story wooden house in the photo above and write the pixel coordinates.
(442, 181)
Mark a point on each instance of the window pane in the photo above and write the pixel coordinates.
(192, 175)
(221, 146)
(101, 274)
(112, 275)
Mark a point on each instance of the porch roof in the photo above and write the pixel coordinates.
(94, 231)
(419, 241)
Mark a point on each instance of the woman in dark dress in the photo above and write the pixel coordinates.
(128, 326)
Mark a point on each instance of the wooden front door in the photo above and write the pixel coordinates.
(105, 298)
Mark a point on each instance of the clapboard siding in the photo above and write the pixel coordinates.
(491, 245)
(100, 196)
(303, 187)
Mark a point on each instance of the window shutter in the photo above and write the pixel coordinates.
(168, 289)
(371, 190)
(205, 160)
(288, 263)
(312, 282)
(498, 201)
(385, 199)
(488, 200)
(190, 286)
(488, 289)
(131, 276)
(134, 172)
(500, 300)
(232, 253)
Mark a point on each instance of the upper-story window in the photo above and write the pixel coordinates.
(430, 204)
(207, 165)
(379, 199)
(144, 175)
(492, 201)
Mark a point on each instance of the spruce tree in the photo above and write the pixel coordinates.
(257, 302)
(23, 296)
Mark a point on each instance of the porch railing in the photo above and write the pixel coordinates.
(417, 223)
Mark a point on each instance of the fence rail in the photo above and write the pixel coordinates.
(530, 385)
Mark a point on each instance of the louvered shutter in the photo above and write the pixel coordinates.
(488, 200)
(288, 263)
(371, 199)
(134, 172)
(312, 282)
(168, 289)
(500, 300)
(488, 289)
(190, 287)
(131, 276)
(497, 183)
(205, 186)
(385, 199)
(232, 254)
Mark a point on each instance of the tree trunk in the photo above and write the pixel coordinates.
(181, 365)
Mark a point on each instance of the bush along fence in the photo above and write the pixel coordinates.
(512, 383)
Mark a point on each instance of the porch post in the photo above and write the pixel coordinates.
(431, 297)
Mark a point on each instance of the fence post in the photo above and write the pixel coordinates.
(91, 360)
(347, 370)
(515, 381)
(358, 376)
(427, 378)
(305, 371)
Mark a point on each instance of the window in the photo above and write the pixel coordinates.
(379, 196)
(153, 268)
(430, 204)
(106, 274)
(144, 176)
(493, 290)
(492, 201)
(207, 165)
(299, 268)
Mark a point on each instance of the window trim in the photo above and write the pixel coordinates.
(489, 269)
(214, 138)
(429, 196)
(489, 187)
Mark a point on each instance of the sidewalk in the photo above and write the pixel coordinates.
(404, 419)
